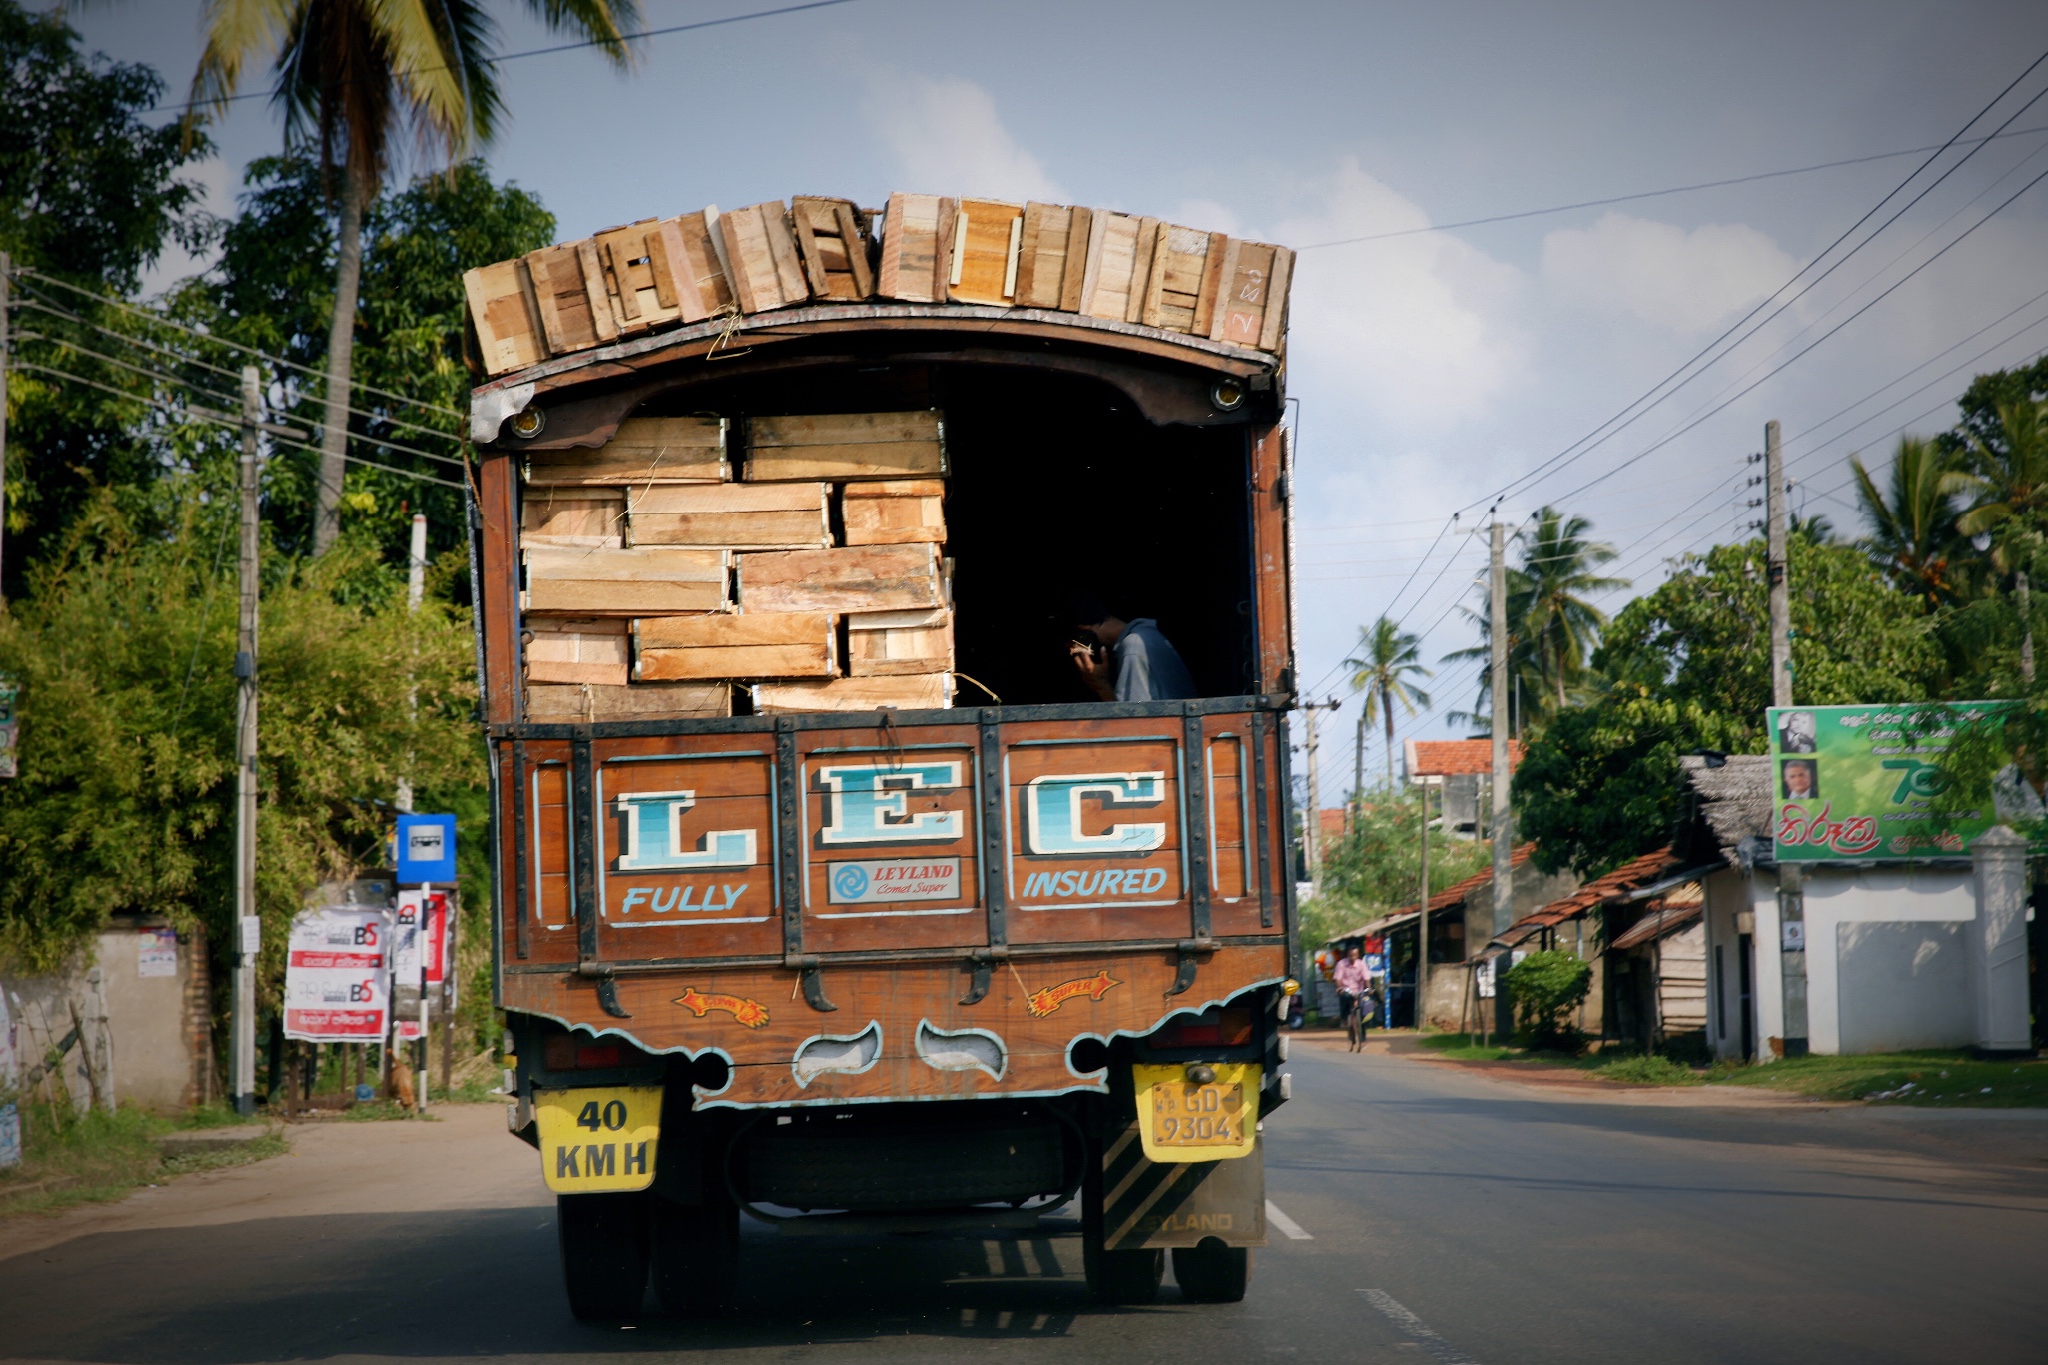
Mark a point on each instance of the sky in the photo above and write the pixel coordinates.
(1440, 371)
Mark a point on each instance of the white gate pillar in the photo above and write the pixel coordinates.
(1998, 942)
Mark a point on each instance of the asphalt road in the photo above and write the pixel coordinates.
(1449, 1217)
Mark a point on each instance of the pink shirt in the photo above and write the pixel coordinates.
(1352, 976)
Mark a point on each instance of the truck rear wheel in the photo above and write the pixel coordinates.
(1212, 1272)
(604, 1253)
(695, 1256)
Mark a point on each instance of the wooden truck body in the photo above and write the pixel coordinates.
(788, 924)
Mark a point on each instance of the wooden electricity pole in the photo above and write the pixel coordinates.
(1791, 884)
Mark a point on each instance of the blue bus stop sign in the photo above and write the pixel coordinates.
(426, 849)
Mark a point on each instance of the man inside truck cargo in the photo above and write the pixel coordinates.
(1130, 660)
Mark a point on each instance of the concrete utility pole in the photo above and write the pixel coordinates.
(243, 1024)
(1357, 802)
(1791, 883)
(415, 592)
(1312, 820)
(1503, 817)
(1422, 916)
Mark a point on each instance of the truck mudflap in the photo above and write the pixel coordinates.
(598, 1139)
(1148, 1204)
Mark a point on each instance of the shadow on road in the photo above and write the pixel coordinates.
(484, 1282)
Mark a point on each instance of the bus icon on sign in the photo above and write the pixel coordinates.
(425, 844)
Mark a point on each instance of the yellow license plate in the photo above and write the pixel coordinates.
(1182, 1121)
(598, 1139)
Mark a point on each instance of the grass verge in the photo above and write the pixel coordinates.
(70, 1160)
(1941, 1077)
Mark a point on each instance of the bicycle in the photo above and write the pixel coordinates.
(1355, 1021)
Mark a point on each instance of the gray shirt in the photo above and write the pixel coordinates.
(1148, 668)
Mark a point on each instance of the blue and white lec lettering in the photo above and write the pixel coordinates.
(871, 805)
(1053, 810)
(654, 837)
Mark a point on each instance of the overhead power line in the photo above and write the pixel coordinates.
(1657, 194)
(641, 36)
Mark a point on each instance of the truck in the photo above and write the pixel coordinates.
(825, 894)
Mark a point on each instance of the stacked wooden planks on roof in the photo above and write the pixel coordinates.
(931, 249)
(654, 583)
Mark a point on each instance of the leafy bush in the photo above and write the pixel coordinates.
(1651, 1069)
(1546, 987)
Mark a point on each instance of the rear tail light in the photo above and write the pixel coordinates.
(564, 1053)
(1228, 1028)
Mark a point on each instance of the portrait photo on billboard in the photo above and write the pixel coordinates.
(1797, 733)
(1798, 779)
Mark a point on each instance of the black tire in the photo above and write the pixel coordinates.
(1212, 1272)
(695, 1256)
(1123, 1276)
(604, 1254)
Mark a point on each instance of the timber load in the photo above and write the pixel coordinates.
(660, 274)
(671, 565)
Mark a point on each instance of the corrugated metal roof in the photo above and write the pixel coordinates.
(1442, 900)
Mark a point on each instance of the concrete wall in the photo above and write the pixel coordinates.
(149, 1035)
(1886, 964)
(1728, 898)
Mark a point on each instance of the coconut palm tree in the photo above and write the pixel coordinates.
(1913, 531)
(351, 77)
(1552, 628)
(1387, 658)
(2005, 481)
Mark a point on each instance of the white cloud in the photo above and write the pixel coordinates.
(948, 139)
(1663, 274)
(1415, 331)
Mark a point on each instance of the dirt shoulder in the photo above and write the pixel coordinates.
(460, 1157)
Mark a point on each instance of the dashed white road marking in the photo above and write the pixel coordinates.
(1286, 1224)
(1418, 1330)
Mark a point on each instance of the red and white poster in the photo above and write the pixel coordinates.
(419, 956)
(337, 975)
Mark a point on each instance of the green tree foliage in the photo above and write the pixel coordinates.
(273, 289)
(92, 194)
(1913, 536)
(1689, 669)
(351, 77)
(1546, 987)
(1377, 867)
(123, 646)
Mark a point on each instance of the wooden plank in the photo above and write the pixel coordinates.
(590, 518)
(893, 644)
(639, 701)
(986, 238)
(1212, 284)
(911, 259)
(508, 332)
(929, 692)
(1180, 261)
(842, 446)
(645, 450)
(1119, 266)
(1241, 308)
(895, 520)
(638, 281)
(737, 516)
(897, 488)
(1079, 234)
(601, 318)
(563, 300)
(761, 258)
(1042, 255)
(832, 248)
(496, 596)
(576, 650)
(702, 288)
(1273, 325)
(786, 645)
(632, 582)
(863, 578)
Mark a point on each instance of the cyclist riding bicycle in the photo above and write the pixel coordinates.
(1354, 984)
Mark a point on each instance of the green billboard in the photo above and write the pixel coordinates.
(1860, 781)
